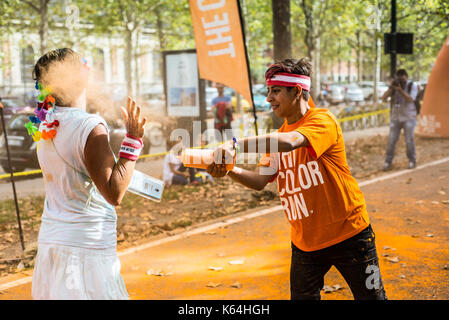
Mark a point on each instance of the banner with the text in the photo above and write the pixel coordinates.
(220, 44)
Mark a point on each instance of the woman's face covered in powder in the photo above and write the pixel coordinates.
(67, 80)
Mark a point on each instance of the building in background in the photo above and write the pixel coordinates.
(105, 56)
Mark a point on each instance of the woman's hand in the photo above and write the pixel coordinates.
(134, 125)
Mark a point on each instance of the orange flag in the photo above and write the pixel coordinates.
(220, 44)
(434, 117)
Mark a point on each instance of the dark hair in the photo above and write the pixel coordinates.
(47, 59)
(401, 72)
(296, 66)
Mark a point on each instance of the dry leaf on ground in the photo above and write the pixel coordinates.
(158, 273)
(330, 289)
(393, 259)
(215, 268)
(213, 285)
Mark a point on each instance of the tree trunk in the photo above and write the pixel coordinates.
(339, 62)
(282, 39)
(315, 89)
(161, 38)
(359, 59)
(137, 55)
(349, 70)
(128, 61)
(43, 25)
(377, 61)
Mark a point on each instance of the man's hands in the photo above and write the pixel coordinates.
(223, 155)
(134, 125)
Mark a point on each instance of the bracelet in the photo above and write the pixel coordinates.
(236, 145)
(131, 147)
(235, 170)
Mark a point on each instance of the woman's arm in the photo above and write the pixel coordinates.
(112, 178)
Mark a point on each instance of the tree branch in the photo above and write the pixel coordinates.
(32, 5)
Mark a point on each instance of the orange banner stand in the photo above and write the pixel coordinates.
(220, 44)
(434, 117)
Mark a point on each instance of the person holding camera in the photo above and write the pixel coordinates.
(402, 116)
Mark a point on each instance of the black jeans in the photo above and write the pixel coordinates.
(355, 258)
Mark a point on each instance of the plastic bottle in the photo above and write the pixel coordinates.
(201, 158)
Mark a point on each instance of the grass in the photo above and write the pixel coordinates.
(28, 208)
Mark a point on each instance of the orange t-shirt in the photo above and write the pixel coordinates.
(320, 198)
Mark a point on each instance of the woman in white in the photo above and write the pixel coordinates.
(76, 257)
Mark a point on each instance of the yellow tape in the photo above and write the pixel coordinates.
(355, 117)
(363, 115)
(18, 174)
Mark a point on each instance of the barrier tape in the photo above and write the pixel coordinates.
(31, 172)
(355, 117)
(363, 115)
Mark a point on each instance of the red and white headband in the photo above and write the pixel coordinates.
(289, 80)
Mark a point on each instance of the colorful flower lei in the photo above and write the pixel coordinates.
(43, 117)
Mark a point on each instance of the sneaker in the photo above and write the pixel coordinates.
(387, 166)
(412, 165)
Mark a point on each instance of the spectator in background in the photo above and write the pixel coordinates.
(403, 116)
(174, 170)
(222, 109)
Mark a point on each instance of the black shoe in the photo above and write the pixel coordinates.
(387, 166)
(412, 165)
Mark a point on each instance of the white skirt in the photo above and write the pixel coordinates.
(72, 273)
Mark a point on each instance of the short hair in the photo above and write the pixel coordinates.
(47, 59)
(401, 72)
(297, 66)
(44, 63)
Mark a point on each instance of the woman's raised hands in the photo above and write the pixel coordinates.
(134, 125)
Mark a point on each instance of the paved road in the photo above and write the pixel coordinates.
(407, 212)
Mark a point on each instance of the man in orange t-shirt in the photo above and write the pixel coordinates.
(320, 198)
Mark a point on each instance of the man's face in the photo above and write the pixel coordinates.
(403, 79)
(220, 90)
(282, 101)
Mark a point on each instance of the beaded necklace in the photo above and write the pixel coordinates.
(44, 116)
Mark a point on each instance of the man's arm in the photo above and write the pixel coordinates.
(386, 94)
(403, 93)
(273, 142)
(251, 179)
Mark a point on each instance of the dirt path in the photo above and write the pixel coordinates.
(409, 214)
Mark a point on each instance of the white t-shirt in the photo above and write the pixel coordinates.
(75, 213)
(168, 174)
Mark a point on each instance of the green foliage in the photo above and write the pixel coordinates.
(343, 26)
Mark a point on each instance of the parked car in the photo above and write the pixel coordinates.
(211, 93)
(367, 88)
(353, 93)
(260, 99)
(21, 145)
(335, 94)
(13, 105)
